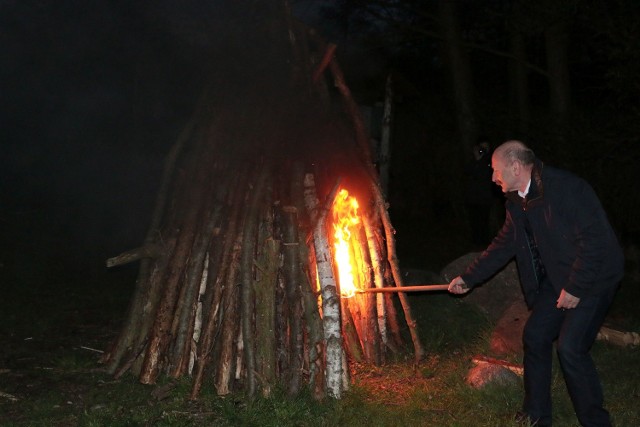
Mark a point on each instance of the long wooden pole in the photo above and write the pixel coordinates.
(417, 288)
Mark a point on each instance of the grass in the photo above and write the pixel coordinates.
(49, 327)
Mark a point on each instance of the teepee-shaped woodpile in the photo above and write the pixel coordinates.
(237, 286)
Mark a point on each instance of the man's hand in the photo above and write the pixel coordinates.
(457, 286)
(566, 300)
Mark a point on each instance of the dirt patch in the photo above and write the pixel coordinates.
(394, 384)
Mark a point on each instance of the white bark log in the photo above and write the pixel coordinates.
(330, 304)
(197, 325)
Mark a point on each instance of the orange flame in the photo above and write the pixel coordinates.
(345, 217)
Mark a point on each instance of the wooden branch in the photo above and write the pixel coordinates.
(230, 324)
(282, 328)
(480, 359)
(384, 155)
(124, 367)
(351, 107)
(291, 273)
(265, 291)
(326, 59)
(247, 277)
(150, 250)
(138, 320)
(620, 338)
(198, 316)
(368, 329)
(362, 139)
(159, 335)
(415, 288)
(378, 279)
(211, 326)
(216, 310)
(395, 271)
(188, 303)
(353, 346)
(395, 334)
(311, 201)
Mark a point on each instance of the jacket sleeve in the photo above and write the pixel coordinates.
(497, 255)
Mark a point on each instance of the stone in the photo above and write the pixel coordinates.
(506, 337)
(415, 276)
(495, 295)
(481, 375)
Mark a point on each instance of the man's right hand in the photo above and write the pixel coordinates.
(457, 286)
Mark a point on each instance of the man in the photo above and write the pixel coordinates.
(570, 264)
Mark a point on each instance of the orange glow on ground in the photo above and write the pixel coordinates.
(345, 218)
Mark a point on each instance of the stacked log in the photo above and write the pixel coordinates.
(237, 285)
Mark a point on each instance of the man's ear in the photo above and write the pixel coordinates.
(516, 167)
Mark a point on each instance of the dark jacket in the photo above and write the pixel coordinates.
(576, 243)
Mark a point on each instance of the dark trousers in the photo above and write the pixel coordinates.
(575, 330)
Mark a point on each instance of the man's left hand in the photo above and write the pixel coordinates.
(567, 301)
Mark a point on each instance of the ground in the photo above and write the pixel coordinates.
(54, 326)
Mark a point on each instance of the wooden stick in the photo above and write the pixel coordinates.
(326, 59)
(417, 288)
(621, 338)
(481, 359)
(150, 250)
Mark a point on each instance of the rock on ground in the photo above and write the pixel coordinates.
(501, 299)
(494, 296)
(506, 337)
(481, 375)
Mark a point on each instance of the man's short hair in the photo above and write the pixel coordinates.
(517, 150)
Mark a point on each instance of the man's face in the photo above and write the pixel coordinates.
(503, 174)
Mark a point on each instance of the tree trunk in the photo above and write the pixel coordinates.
(556, 42)
(461, 79)
(384, 157)
(519, 87)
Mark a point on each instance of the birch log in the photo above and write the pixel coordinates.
(313, 321)
(330, 303)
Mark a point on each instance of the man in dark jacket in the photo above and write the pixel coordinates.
(570, 264)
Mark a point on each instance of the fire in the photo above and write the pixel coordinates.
(345, 218)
